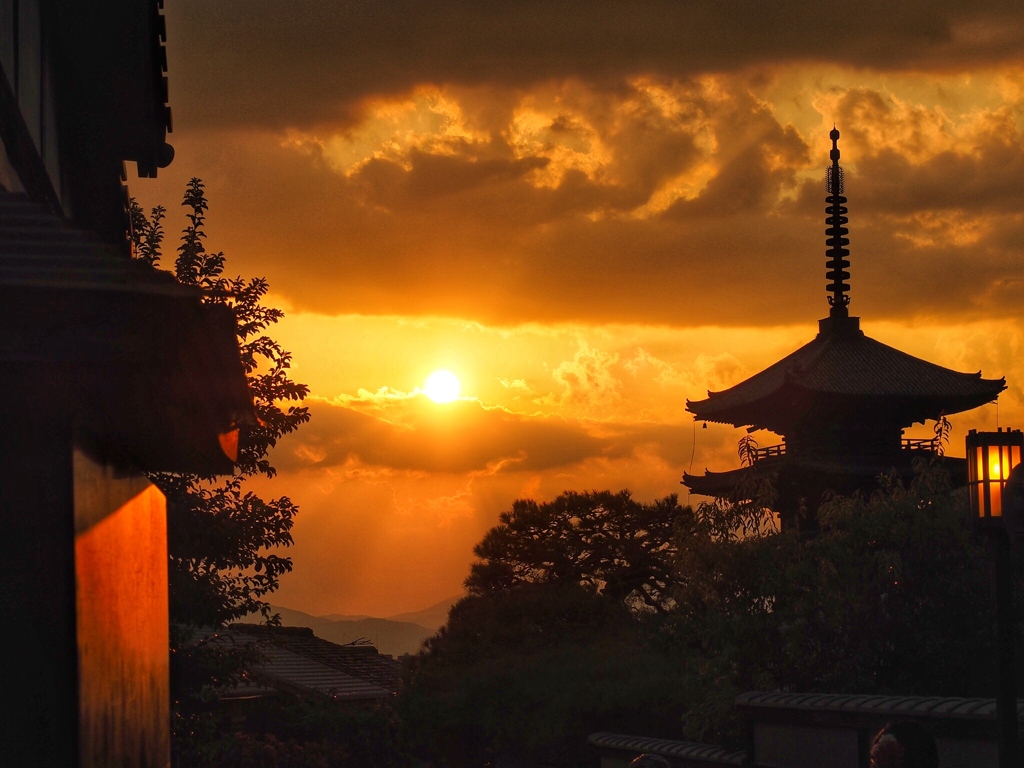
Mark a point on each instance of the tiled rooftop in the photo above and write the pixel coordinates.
(294, 673)
(885, 706)
(705, 754)
(42, 250)
(332, 662)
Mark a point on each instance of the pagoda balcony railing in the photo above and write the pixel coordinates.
(924, 445)
(920, 444)
(768, 451)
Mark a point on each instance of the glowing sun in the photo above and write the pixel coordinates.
(442, 386)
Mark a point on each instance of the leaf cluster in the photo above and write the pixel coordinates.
(558, 637)
(268, 751)
(201, 660)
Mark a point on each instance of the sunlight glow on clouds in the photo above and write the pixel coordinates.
(426, 120)
(446, 476)
(589, 218)
(647, 203)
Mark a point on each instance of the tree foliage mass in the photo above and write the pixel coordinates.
(606, 542)
(891, 596)
(596, 612)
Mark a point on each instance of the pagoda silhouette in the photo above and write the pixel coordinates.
(840, 402)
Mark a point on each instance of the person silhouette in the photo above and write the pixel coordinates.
(904, 745)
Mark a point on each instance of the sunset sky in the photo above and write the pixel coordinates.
(588, 212)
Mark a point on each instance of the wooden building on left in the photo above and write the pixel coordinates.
(109, 370)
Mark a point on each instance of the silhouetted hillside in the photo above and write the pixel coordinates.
(390, 637)
(434, 617)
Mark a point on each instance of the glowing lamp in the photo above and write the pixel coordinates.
(991, 456)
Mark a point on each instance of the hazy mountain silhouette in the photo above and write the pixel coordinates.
(390, 637)
(345, 616)
(434, 617)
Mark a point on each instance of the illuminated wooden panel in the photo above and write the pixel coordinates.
(121, 594)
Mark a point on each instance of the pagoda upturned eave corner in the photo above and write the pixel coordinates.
(841, 401)
(846, 371)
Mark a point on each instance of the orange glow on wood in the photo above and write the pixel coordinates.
(124, 676)
(229, 443)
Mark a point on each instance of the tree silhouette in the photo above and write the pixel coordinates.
(221, 537)
(522, 676)
(601, 540)
(747, 450)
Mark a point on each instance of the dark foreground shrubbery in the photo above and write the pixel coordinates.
(577, 623)
(523, 677)
(292, 733)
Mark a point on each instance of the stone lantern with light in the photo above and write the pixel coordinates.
(991, 458)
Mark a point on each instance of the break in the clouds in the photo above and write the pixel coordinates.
(387, 521)
(263, 62)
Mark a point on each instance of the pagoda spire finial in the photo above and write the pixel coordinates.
(836, 241)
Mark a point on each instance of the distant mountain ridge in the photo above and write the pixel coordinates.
(395, 635)
(345, 616)
(434, 617)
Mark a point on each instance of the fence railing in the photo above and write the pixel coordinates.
(930, 445)
(768, 451)
(920, 444)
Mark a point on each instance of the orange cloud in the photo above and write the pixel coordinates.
(421, 436)
(660, 202)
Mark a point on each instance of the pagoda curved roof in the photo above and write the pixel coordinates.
(844, 364)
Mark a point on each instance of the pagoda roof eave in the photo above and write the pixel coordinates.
(781, 409)
(837, 366)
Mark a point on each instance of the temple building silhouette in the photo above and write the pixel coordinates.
(111, 370)
(840, 402)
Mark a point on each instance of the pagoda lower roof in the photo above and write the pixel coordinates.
(841, 476)
(843, 364)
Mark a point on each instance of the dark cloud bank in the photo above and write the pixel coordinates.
(470, 236)
(272, 63)
(468, 232)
